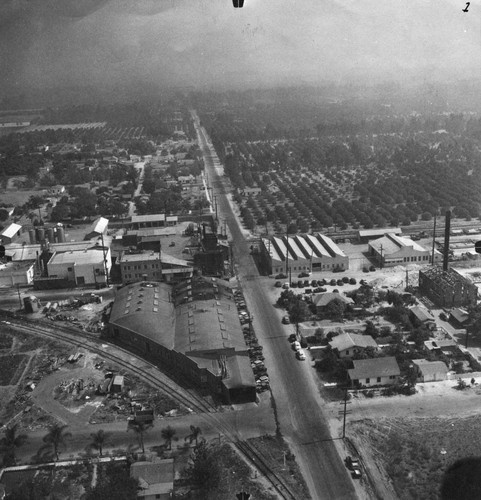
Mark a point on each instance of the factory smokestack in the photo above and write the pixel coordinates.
(447, 231)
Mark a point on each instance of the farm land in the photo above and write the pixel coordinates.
(374, 168)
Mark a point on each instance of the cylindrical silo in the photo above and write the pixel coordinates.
(31, 235)
(51, 235)
(41, 234)
(60, 234)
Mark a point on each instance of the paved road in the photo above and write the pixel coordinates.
(299, 411)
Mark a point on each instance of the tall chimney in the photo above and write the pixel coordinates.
(447, 230)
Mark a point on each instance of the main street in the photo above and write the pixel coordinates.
(298, 406)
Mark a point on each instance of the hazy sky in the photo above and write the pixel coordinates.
(208, 42)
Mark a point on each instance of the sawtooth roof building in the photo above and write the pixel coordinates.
(191, 330)
(302, 252)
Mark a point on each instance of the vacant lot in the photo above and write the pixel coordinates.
(416, 452)
(12, 367)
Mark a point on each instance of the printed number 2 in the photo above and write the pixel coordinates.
(467, 6)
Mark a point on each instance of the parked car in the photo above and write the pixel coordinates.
(372, 268)
(304, 275)
(296, 345)
(352, 463)
(301, 355)
(345, 279)
(314, 283)
(294, 284)
(308, 290)
(285, 286)
(278, 284)
(356, 474)
(285, 320)
(340, 283)
(352, 281)
(300, 284)
(333, 282)
(280, 276)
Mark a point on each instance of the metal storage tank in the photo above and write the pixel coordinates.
(51, 234)
(40, 234)
(60, 234)
(31, 235)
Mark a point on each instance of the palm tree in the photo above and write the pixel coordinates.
(99, 439)
(167, 434)
(194, 435)
(10, 441)
(140, 428)
(56, 437)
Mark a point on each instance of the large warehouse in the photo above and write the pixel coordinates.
(393, 250)
(191, 330)
(302, 252)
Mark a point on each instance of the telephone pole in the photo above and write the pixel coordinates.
(344, 412)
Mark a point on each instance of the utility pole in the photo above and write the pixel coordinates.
(107, 281)
(345, 412)
(381, 249)
(434, 240)
(287, 254)
(407, 279)
(19, 298)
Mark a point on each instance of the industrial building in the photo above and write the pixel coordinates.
(154, 220)
(191, 330)
(302, 252)
(366, 235)
(447, 288)
(16, 273)
(393, 250)
(153, 266)
(9, 234)
(98, 228)
(82, 267)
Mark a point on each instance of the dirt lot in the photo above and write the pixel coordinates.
(406, 443)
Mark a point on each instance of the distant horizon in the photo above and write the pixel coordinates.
(112, 45)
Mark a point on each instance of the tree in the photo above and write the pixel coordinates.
(168, 434)
(371, 329)
(9, 442)
(3, 214)
(205, 470)
(140, 429)
(56, 438)
(336, 308)
(194, 434)
(99, 440)
(298, 312)
(114, 483)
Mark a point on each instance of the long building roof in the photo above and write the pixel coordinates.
(390, 243)
(11, 230)
(146, 308)
(302, 247)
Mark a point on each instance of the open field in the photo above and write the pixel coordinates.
(416, 452)
(12, 367)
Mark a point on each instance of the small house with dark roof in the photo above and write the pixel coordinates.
(422, 316)
(374, 372)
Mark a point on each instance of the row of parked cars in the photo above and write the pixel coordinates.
(254, 348)
(316, 284)
(297, 347)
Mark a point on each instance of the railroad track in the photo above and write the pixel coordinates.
(79, 338)
(94, 344)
